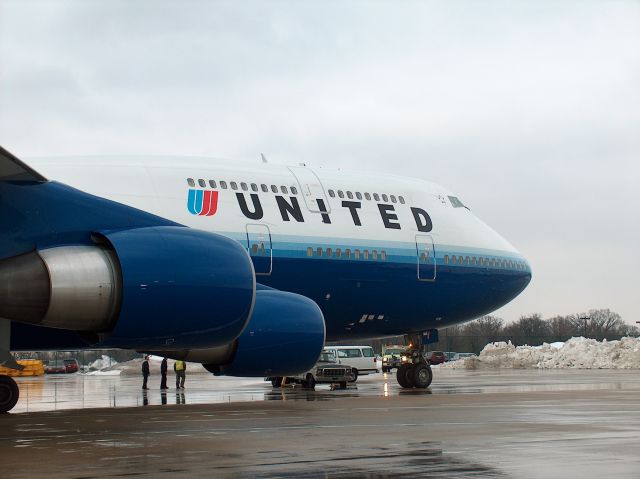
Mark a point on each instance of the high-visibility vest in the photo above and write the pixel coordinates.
(179, 365)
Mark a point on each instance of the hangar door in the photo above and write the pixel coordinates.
(426, 255)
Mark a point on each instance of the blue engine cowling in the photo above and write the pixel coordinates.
(285, 336)
(181, 289)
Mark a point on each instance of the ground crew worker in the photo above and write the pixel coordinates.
(180, 367)
(145, 372)
(163, 372)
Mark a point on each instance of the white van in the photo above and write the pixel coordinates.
(361, 358)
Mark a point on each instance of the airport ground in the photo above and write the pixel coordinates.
(511, 424)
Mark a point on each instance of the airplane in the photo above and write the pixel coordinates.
(246, 268)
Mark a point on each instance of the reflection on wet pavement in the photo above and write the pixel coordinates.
(78, 391)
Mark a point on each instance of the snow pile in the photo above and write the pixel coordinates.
(577, 353)
(101, 363)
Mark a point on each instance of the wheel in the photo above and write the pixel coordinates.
(422, 376)
(309, 382)
(9, 393)
(276, 382)
(343, 384)
(404, 375)
(354, 375)
(386, 370)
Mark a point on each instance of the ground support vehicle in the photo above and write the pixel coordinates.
(392, 357)
(362, 359)
(325, 371)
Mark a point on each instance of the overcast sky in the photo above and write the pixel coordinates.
(529, 111)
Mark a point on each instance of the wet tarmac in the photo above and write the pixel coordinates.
(512, 424)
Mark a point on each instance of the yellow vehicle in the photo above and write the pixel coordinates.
(32, 367)
(392, 356)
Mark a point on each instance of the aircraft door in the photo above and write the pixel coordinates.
(312, 189)
(259, 246)
(426, 252)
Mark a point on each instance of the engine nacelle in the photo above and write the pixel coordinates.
(147, 288)
(285, 336)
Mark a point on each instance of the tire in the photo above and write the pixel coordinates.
(386, 370)
(276, 382)
(404, 375)
(354, 375)
(422, 376)
(309, 382)
(9, 394)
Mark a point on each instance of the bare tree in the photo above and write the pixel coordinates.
(490, 327)
(561, 328)
(528, 330)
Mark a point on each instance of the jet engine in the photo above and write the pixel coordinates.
(285, 336)
(136, 288)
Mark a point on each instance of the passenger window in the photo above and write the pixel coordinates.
(367, 352)
(423, 258)
(294, 190)
(401, 200)
(244, 186)
(358, 195)
(254, 249)
(460, 260)
(309, 251)
(223, 185)
(319, 252)
(356, 254)
(284, 190)
(366, 254)
(212, 183)
(234, 185)
(349, 195)
(340, 194)
(453, 260)
(190, 182)
(367, 196)
(393, 199)
(264, 188)
(374, 255)
(354, 353)
(274, 188)
(383, 255)
(347, 253)
(385, 198)
(329, 252)
(467, 260)
(332, 193)
(342, 353)
(376, 197)
(202, 183)
(446, 259)
(254, 187)
(338, 252)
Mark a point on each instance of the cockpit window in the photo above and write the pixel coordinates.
(455, 202)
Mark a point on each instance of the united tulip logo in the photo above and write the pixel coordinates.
(203, 202)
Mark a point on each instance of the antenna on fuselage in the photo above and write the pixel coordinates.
(264, 158)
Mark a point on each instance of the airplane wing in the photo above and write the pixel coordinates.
(12, 169)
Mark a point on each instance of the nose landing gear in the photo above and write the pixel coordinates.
(415, 371)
